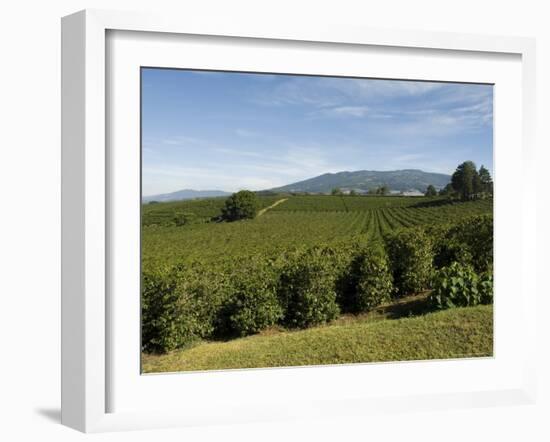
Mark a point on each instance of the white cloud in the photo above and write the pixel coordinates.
(344, 111)
(245, 133)
(356, 97)
(237, 152)
(184, 140)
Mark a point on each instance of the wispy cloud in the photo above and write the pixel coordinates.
(339, 92)
(343, 111)
(245, 133)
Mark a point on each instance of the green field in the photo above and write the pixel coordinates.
(455, 333)
(204, 209)
(298, 221)
(200, 272)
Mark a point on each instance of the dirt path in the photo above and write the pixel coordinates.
(276, 203)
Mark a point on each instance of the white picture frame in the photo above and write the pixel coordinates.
(87, 356)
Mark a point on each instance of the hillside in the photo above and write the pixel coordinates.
(401, 180)
(185, 194)
(366, 338)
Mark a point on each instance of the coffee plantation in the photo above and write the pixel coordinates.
(304, 261)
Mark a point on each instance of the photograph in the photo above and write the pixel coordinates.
(305, 220)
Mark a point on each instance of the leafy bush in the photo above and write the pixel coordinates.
(459, 286)
(183, 218)
(158, 312)
(241, 205)
(307, 289)
(410, 254)
(252, 304)
(470, 242)
(373, 280)
(485, 287)
(179, 306)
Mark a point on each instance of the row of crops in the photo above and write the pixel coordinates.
(329, 203)
(282, 229)
(308, 285)
(304, 261)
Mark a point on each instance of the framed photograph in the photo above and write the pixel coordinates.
(262, 224)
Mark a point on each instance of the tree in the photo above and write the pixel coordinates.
(241, 205)
(352, 192)
(464, 181)
(336, 191)
(476, 184)
(383, 190)
(447, 190)
(486, 181)
(430, 191)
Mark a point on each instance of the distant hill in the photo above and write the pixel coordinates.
(399, 180)
(185, 194)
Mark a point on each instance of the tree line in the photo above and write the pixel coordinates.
(467, 183)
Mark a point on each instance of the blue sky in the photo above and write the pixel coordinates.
(230, 131)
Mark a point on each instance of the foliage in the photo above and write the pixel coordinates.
(307, 289)
(330, 203)
(371, 279)
(459, 286)
(336, 191)
(447, 191)
(179, 306)
(485, 287)
(241, 205)
(470, 183)
(203, 210)
(184, 218)
(253, 304)
(430, 191)
(280, 230)
(463, 179)
(470, 241)
(486, 181)
(411, 256)
(217, 280)
(380, 190)
(158, 312)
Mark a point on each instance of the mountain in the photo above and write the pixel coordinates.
(398, 180)
(185, 194)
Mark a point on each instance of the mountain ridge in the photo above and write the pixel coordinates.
(364, 180)
(401, 180)
(184, 194)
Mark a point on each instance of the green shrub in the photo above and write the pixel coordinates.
(470, 242)
(184, 218)
(410, 254)
(307, 289)
(485, 287)
(179, 306)
(252, 303)
(158, 312)
(374, 282)
(459, 286)
(241, 205)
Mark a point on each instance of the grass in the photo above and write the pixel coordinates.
(373, 337)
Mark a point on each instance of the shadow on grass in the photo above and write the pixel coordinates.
(406, 307)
